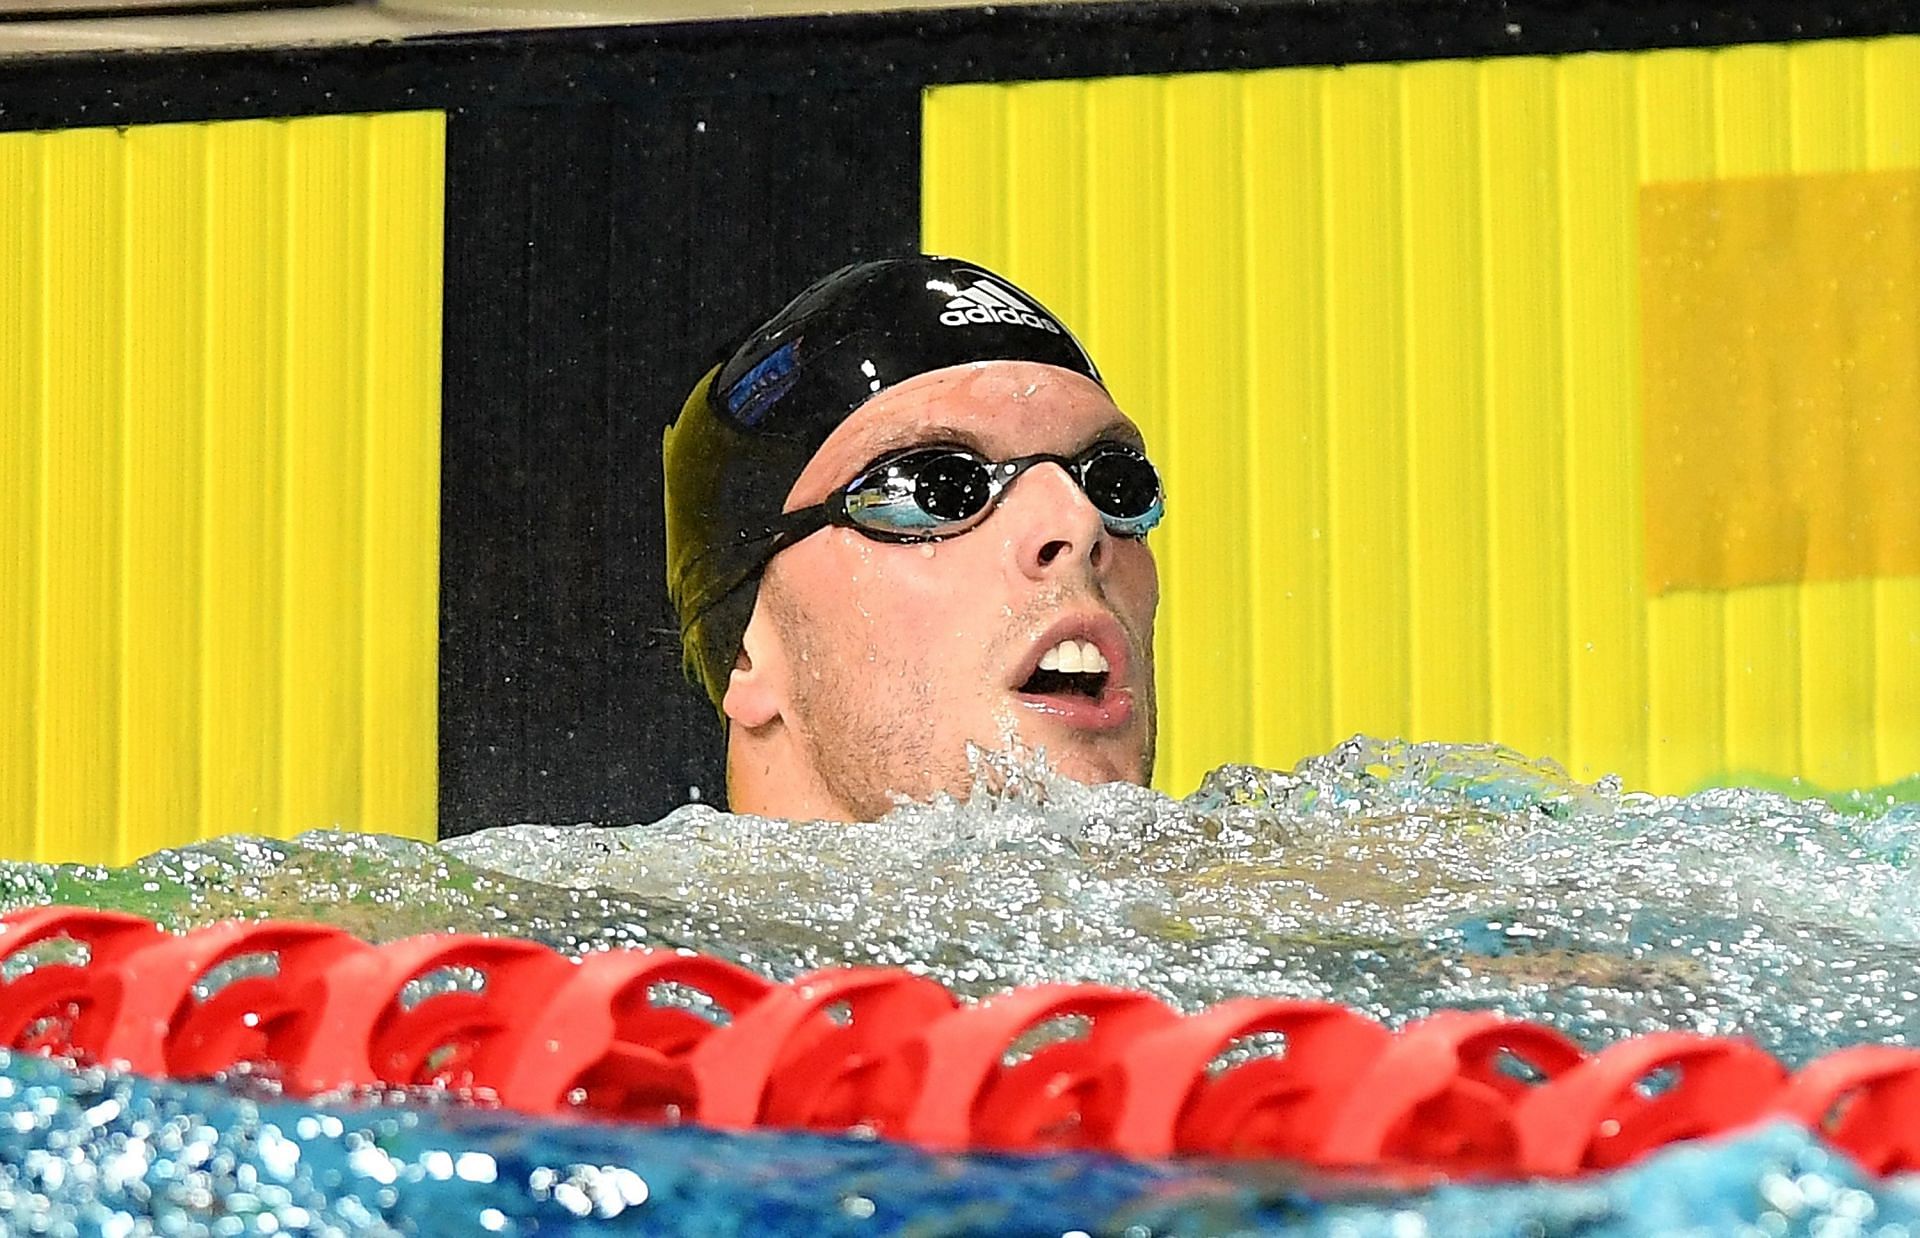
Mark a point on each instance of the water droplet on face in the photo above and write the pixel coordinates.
(926, 551)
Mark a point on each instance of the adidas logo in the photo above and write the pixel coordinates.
(987, 301)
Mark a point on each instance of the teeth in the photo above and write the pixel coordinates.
(1074, 657)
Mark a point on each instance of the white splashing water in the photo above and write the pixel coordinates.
(1394, 877)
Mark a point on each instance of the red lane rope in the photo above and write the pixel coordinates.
(666, 1035)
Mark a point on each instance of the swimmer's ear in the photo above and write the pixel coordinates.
(754, 696)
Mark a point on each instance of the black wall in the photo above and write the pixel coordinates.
(597, 256)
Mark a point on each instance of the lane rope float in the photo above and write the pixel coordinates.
(647, 1035)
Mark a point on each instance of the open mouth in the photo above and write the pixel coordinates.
(1066, 683)
(1080, 680)
(1070, 668)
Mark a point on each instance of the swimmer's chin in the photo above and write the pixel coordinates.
(1095, 770)
(1093, 760)
(1090, 764)
(1022, 771)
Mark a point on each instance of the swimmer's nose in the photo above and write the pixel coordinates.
(1056, 528)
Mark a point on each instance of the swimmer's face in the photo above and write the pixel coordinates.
(887, 659)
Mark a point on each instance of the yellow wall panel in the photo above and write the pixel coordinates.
(1896, 654)
(212, 585)
(400, 710)
(243, 585)
(165, 488)
(1203, 370)
(1526, 425)
(1828, 106)
(326, 483)
(1041, 151)
(1607, 636)
(1761, 626)
(1366, 441)
(1448, 484)
(1686, 638)
(1769, 293)
(978, 225)
(1431, 306)
(1288, 616)
(81, 513)
(22, 213)
(1891, 139)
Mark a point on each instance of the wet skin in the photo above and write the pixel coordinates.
(869, 666)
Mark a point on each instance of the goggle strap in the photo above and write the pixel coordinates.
(777, 535)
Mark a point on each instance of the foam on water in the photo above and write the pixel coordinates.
(1396, 878)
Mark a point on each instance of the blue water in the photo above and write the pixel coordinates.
(1393, 878)
(98, 1153)
(111, 1154)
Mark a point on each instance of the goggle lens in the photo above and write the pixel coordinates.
(937, 492)
(1123, 485)
(952, 487)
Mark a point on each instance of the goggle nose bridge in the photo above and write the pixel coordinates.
(1003, 473)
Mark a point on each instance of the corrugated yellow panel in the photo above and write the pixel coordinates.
(1799, 671)
(1205, 372)
(1828, 122)
(1607, 636)
(1525, 415)
(1896, 699)
(977, 141)
(213, 586)
(165, 487)
(400, 712)
(325, 527)
(1288, 614)
(1762, 625)
(1367, 397)
(1892, 140)
(22, 212)
(1447, 457)
(1126, 130)
(1686, 639)
(243, 583)
(1784, 292)
(1437, 290)
(1827, 107)
(1041, 151)
(81, 501)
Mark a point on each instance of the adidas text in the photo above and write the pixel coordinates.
(987, 301)
(980, 313)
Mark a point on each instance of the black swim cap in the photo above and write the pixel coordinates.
(755, 419)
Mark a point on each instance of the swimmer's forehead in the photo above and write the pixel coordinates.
(997, 408)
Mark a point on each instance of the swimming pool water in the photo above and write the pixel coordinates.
(1395, 878)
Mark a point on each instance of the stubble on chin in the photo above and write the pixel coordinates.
(866, 725)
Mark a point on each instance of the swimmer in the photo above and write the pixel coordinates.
(904, 516)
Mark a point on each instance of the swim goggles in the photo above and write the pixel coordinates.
(924, 494)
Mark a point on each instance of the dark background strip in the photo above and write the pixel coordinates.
(630, 64)
(597, 255)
